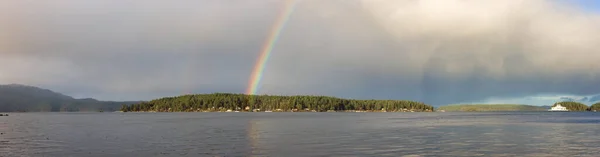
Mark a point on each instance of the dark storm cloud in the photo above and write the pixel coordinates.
(433, 51)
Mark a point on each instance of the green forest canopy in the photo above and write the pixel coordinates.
(241, 102)
(595, 107)
(572, 106)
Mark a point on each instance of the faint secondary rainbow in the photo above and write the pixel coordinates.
(267, 48)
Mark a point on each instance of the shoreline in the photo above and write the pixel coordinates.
(347, 111)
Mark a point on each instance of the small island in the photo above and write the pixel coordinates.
(573, 106)
(227, 102)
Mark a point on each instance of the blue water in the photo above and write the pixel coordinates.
(301, 134)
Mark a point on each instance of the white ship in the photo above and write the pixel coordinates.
(558, 107)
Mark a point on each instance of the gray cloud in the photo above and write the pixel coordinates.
(433, 51)
(473, 49)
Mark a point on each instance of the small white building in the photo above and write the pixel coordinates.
(558, 107)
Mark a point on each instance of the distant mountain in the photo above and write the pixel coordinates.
(595, 98)
(571, 99)
(590, 99)
(23, 98)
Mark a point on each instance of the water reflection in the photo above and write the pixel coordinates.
(300, 134)
(427, 135)
(254, 136)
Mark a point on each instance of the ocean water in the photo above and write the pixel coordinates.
(301, 134)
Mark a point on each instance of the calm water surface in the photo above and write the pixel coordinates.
(300, 134)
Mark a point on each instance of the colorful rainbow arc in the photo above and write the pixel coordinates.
(267, 48)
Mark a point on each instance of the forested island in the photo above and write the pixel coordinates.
(227, 102)
(573, 106)
(489, 107)
(23, 98)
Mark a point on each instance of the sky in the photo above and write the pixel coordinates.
(586, 5)
(439, 52)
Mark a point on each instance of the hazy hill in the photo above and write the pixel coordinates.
(595, 98)
(490, 107)
(23, 98)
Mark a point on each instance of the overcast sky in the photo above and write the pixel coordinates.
(438, 52)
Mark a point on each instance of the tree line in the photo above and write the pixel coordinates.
(242, 102)
(576, 106)
(595, 107)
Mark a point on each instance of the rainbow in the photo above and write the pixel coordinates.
(267, 48)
